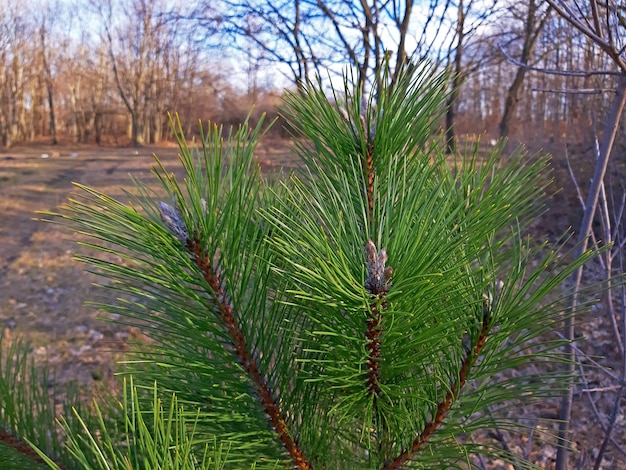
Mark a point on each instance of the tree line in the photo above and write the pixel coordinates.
(106, 71)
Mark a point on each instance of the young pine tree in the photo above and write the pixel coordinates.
(361, 314)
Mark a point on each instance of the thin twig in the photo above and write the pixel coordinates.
(499, 436)
(608, 388)
(576, 91)
(565, 73)
(606, 222)
(581, 199)
(618, 216)
(580, 353)
(595, 410)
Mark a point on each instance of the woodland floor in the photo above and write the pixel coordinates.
(43, 290)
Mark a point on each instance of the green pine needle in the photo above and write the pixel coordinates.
(361, 314)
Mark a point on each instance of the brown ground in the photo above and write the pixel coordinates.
(42, 290)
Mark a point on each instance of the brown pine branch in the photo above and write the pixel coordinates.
(444, 406)
(20, 446)
(368, 168)
(213, 275)
(373, 335)
(377, 284)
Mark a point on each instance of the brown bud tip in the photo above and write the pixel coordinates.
(377, 273)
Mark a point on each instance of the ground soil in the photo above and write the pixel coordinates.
(43, 290)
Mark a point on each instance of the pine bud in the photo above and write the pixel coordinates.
(344, 115)
(378, 275)
(363, 127)
(174, 222)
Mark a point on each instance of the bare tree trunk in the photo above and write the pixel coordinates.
(403, 29)
(610, 130)
(17, 111)
(137, 129)
(457, 80)
(97, 126)
(531, 34)
(301, 57)
(75, 127)
(53, 125)
(47, 72)
(98, 97)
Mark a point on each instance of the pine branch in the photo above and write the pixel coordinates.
(350, 370)
(444, 406)
(377, 284)
(209, 266)
(368, 168)
(19, 446)
(214, 276)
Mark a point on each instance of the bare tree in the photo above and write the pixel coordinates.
(603, 23)
(280, 29)
(88, 83)
(139, 47)
(370, 34)
(45, 18)
(132, 52)
(16, 63)
(456, 66)
(471, 16)
(533, 21)
(307, 36)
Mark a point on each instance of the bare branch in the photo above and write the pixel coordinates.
(576, 91)
(595, 33)
(565, 73)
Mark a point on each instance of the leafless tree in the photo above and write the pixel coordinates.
(134, 50)
(532, 20)
(15, 72)
(141, 48)
(45, 18)
(310, 36)
(603, 23)
(456, 65)
(87, 80)
(470, 17)
(280, 29)
(377, 34)
(59, 77)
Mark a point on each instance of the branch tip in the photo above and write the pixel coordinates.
(174, 222)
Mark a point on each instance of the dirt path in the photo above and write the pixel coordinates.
(42, 289)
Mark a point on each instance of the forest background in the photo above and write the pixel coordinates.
(93, 82)
(109, 72)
